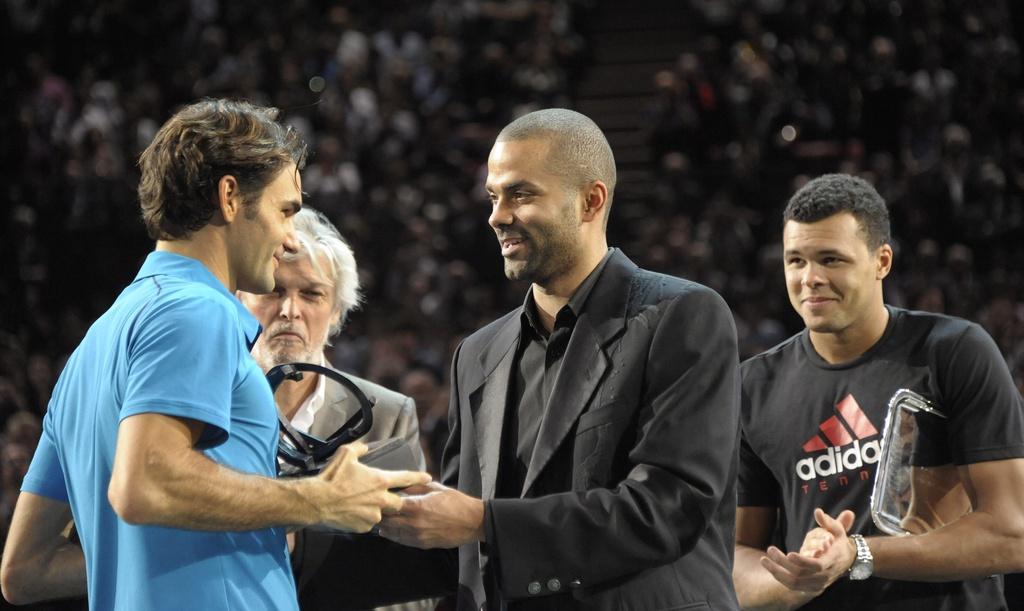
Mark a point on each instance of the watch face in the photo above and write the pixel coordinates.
(860, 570)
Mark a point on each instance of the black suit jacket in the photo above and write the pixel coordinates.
(644, 414)
(629, 499)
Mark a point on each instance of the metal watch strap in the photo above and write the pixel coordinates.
(864, 564)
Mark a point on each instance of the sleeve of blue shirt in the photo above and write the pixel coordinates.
(182, 360)
(45, 477)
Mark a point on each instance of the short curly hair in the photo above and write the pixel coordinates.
(199, 145)
(834, 193)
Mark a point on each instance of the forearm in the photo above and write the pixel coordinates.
(757, 589)
(192, 491)
(977, 545)
(55, 576)
(38, 562)
(159, 478)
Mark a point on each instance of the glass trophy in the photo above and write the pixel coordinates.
(917, 487)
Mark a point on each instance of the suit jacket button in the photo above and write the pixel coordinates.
(533, 587)
(554, 585)
(575, 583)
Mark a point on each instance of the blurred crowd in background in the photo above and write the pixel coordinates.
(400, 102)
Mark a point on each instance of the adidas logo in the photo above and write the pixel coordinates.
(849, 425)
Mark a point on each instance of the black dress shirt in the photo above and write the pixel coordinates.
(538, 361)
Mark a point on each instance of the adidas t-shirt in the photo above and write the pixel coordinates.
(812, 432)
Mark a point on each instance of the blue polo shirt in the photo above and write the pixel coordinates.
(174, 342)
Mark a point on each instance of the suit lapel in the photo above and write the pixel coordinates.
(488, 401)
(583, 366)
(585, 361)
(338, 407)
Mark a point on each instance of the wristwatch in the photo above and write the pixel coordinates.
(864, 564)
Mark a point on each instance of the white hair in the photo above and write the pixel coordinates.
(320, 241)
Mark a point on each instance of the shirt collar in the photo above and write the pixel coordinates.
(577, 302)
(819, 361)
(163, 263)
(304, 416)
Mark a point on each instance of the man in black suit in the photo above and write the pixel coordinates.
(592, 458)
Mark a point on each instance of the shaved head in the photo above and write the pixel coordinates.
(578, 151)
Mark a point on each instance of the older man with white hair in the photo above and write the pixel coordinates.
(315, 287)
(314, 290)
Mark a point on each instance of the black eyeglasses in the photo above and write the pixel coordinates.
(301, 454)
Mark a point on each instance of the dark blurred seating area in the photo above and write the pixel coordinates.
(400, 102)
(921, 98)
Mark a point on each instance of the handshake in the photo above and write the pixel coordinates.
(404, 506)
(361, 487)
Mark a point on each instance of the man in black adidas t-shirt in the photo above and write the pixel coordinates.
(813, 411)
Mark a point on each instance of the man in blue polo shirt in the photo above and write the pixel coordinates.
(161, 433)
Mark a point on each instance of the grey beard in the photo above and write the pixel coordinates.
(268, 358)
